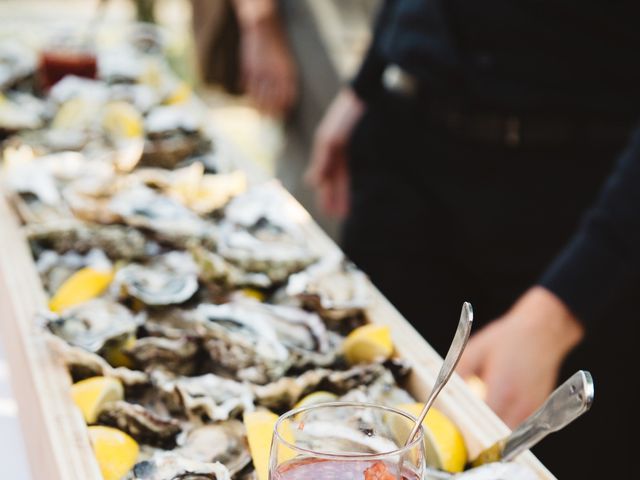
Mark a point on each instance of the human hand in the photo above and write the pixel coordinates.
(328, 172)
(268, 71)
(519, 355)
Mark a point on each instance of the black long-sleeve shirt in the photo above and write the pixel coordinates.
(551, 56)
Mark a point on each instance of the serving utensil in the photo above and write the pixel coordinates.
(448, 366)
(566, 403)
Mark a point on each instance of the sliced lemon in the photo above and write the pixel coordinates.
(180, 94)
(253, 293)
(315, 398)
(367, 344)
(83, 285)
(444, 444)
(92, 394)
(115, 354)
(115, 451)
(122, 120)
(260, 426)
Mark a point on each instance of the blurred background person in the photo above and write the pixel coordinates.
(464, 155)
(279, 53)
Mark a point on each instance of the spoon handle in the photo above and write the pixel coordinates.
(564, 405)
(450, 361)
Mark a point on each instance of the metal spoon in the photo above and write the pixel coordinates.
(566, 403)
(448, 366)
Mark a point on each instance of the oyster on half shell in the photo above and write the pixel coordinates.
(94, 324)
(333, 287)
(223, 442)
(168, 280)
(141, 423)
(171, 466)
(208, 397)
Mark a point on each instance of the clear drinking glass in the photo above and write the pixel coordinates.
(346, 441)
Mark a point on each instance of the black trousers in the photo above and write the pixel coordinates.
(436, 220)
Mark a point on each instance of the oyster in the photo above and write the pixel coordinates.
(142, 207)
(173, 134)
(17, 63)
(491, 471)
(54, 268)
(116, 241)
(205, 397)
(241, 344)
(176, 355)
(202, 193)
(167, 280)
(222, 442)
(94, 324)
(83, 364)
(213, 268)
(20, 111)
(259, 235)
(333, 287)
(285, 392)
(382, 391)
(141, 423)
(170, 466)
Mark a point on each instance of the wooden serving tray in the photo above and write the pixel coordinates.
(55, 433)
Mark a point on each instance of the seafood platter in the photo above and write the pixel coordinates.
(160, 308)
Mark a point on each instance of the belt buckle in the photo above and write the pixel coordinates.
(396, 80)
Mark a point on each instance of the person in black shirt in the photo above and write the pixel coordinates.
(485, 152)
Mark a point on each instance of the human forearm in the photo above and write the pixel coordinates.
(602, 261)
(255, 13)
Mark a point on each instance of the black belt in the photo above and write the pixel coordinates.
(509, 129)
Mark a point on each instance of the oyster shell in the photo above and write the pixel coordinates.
(54, 268)
(204, 397)
(141, 423)
(83, 364)
(17, 62)
(176, 355)
(333, 287)
(170, 466)
(505, 471)
(93, 324)
(285, 392)
(174, 133)
(170, 279)
(260, 234)
(118, 242)
(201, 192)
(222, 442)
(142, 207)
(213, 268)
(241, 344)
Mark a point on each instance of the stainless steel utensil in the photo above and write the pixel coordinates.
(448, 366)
(566, 403)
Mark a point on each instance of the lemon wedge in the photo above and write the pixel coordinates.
(115, 451)
(92, 394)
(444, 444)
(260, 426)
(315, 398)
(180, 94)
(367, 344)
(82, 286)
(122, 120)
(115, 354)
